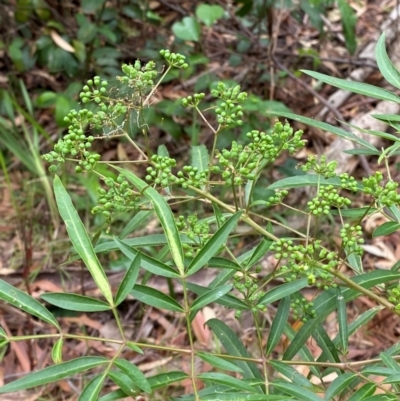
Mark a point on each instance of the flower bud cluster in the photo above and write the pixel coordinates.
(229, 111)
(326, 198)
(352, 239)
(160, 173)
(174, 59)
(384, 194)
(117, 199)
(303, 309)
(321, 167)
(306, 261)
(197, 230)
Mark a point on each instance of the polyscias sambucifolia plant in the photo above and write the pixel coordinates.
(221, 183)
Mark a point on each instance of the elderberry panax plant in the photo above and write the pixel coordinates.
(218, 218)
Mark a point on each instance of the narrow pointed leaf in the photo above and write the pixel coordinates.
(293, 389)
(278, 325)
(210, 296)
(150, 264)
(80, 239)
(363, 392)
(259, 252)
(75, 302)
(230, 301)
(164, 214)
(226, 380)
(153, 297)
(283, 291)
(134, 373)
(355, 87)
(54, 373)
(134, 347)
(200, 158)
(234, 347)
(124, 382)
(165, 379)
(92, 389)
(386, 229)
(136, 222)
(25, 302)
(128, 281)
(386, 67)
(213, 245)
(114, 395)
(342, 321)
(301, 337)
(218, 362)
(327, 346)
(222, 263)
(56, 351)
(290, 373)
(338, 385)
(300, 181)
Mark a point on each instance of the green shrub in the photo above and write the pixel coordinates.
(221, 183)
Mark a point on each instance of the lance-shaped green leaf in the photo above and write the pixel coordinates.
(230, 301)
(213, 245)
(134, 373)
(363, 392)
(330, 128)
(342, 321)
(124, 382)
(386, 67)
(283, 291)
(338, 385)
(226, 380)
(150, 264)
(301, 393)
(56, 351)
(114, 395)
(218, 362)
(80, 239)
(208, 297)
(260, 250)
(54, 373)
(165, 379)
(326, 344)
(136, 222)
(292, 374)
(355, 87)
(234, 347)
(307, 180)
(200, 158)
(355, 212)
(128, 281)
(75, 302)
(278, 325)
(92, 389)
(301, 337)
(25, 302)
(218, 395)
(164, 214)
(386, 228)
(153, 297)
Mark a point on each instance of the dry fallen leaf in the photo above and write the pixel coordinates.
(60, 42)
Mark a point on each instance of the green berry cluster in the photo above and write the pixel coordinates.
(394, 296)
(197, 230)
(117, 199)
(75, 144)
(247, 283)
(193, 177)
(138, 78)
(306, 261)
(348, 182)
(303, 309)
(229, 111)
(193, 101)
(276, 199)
(321, 167)
(352, 239)
(326, 198)
(174, 59)
(270, 145)
(160, 173)
(384, 194)
(94, 90)
(239, 163)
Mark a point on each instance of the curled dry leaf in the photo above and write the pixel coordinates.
(60, 42)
